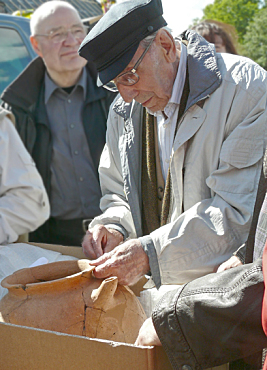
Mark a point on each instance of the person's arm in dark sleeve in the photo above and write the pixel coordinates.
(241, 253)
(214, 319)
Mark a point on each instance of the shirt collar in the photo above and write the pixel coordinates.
(50, 85)
(177, 86)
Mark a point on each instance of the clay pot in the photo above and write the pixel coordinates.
(65, 297)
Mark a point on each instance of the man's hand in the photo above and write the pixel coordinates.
(128, 262)
(233, 261)
(100, 240)
(147, 335)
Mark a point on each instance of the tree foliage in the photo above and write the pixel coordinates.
(255, 42)
(235, 12)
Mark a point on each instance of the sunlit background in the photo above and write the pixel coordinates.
(180, 15)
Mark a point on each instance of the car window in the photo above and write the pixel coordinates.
(14, 56)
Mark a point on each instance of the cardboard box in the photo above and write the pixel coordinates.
(27, 348)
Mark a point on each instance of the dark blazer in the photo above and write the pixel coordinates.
(25, 98)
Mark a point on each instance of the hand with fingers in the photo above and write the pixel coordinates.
(233, 261)
(147, 335)
(128, 262)
(100, 240)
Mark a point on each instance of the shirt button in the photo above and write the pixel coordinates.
(43, 204)
(69, 100)
(165, 125)
(76, 152)
(81, 178)
(160, 192)
(72, 125)
(167, 160)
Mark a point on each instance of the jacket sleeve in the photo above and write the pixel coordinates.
(24, 126)
(241, 253)
(114, 203)
(24, 204)
(214, 319)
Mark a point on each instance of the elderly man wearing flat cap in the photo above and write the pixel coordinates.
(185, 141)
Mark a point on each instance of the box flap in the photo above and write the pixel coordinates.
(30, 349)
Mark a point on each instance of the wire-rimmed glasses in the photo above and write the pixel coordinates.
(60, 34)
(128, 78)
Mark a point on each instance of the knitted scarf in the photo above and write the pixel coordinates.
(149, 187)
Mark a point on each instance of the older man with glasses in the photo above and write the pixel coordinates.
(130, 77)
(61, 117)
(179, 175)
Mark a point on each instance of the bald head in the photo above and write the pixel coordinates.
(44, 11)
(57, 32)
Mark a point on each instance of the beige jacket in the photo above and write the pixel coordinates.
(24, 204)
(214, 180)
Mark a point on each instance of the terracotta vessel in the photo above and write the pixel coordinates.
(65, 297)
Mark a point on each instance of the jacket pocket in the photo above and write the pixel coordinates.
(241, 153)
(239, 167)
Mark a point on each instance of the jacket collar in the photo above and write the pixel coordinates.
(204, 74)
(24, 91)
(122, 108)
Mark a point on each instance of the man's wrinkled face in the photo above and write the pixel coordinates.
(154, 88)
(61, 56)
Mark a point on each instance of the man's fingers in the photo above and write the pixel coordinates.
(103, 271)
(147, 335)
(100, 260)
(128, 262)
(94, 241)
(99, 240)
(106, 266)
(113, 240)
(234, 261)
(109, 247)
(88, 246)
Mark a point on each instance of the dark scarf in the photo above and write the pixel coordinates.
(150, 215)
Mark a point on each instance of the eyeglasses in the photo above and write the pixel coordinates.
(128, 78)
(61, 34)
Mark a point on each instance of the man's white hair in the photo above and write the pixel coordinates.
(145, 42)
(45, 10)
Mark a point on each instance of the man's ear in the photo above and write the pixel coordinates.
(168, 45)
(35, 45)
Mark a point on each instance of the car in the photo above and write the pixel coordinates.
(15, 48)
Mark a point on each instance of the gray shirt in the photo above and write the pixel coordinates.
(75, 191)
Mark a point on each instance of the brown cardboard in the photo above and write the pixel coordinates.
(26, 348)
(32, 349)
(70, 251)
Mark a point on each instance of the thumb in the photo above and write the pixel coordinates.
(100, 260)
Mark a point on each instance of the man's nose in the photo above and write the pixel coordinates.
(70, 39)
(128, 93)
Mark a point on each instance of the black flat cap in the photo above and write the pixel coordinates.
(113, 41)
